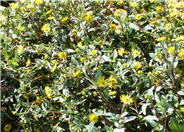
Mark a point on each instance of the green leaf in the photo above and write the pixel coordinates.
(151, 119)
(175, 126)
(144, 108)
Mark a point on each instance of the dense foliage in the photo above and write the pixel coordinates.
(92, 66)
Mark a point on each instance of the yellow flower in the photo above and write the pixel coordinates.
(113, 27)
(100, 43)
(93, 117)
(152, 1)
(171, 50)
(36, 118)
(51, 18)
(62, 55)
(54, 68)
(121, 51)
(160, 39)
(82, 59)
(135, 53)
(13, 6)
(20, 27)
(119, 2)
(168, 26)
(138, 17)
(93, 52)
(112, 82)
(126, 99)
(179, 38)
(76, 73)
(159, 9)
(28, 62)
(124, 65)
(133, 4)
(45, 28)
(29, 6)
(140, 72)
(181, 54)
(101, 81)
(89, 19)
(63, 20)
(112, 93)
(54, 61)
(20, 49)
(38, 100)
(137, 66)
(48, 12)
(48, 91)
(38, 2)
(7, 127)
(79, 44)
(118, 12)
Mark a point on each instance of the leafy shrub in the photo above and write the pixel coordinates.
(93, 66)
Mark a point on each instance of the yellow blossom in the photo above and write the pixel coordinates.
(152, 1)
(38, 2)
(13, 6)
(160, 39)
(48, 12)
(50, 18)
(168, 26)
(93, 117)
(93, 52)
(54, 61)
(112, 82)
(119, 2)
(36, 117)
(159, 9)
(133, 4)
(62, 55)
(118, 12)
(112, 93)
(113, 27)
(121, 51)
(126, 99)
(79, 44)
(140, 72)
(100, 43)
(54, 68)
(179, 38)
(20, 27)
(181, 54)
(82, 59)
(38, 100)
(135, 53)
(124, 65)
(48, 91)
(138, 17)
(171, 49)
(76, 73)
(20, 49)
(63, 20)
(46, 28)
(28, 62)
(7, 127)
(137, 66)
(29, 6)
(101, 81)
(89, 17)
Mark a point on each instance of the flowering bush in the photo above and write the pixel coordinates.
(93, 66)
